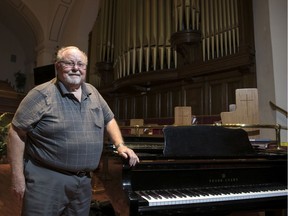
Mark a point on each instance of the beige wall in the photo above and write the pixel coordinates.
(270, 27)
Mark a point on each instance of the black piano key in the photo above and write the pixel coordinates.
(153, 194)
(178, 193)
(171, 194)
(191, 192)
(145, 195)
(166, 194)
(201, 192)
(185, 192)
(163, 193)
(214, 191)
(221, 193)
(208, 192)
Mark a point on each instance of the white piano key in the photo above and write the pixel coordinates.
(212, 197)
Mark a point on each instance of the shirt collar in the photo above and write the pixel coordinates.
(64, 91)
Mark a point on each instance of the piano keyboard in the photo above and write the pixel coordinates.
(204, 195)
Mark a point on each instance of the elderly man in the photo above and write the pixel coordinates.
(56, 139)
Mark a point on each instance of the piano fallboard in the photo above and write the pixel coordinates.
(200, 185)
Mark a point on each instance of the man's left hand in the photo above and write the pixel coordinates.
(126, 152)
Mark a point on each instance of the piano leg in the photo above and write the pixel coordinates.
(133, 205)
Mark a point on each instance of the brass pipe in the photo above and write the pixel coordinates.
(277, 128)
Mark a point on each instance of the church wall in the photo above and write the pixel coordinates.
(270, 29)
(12, 57)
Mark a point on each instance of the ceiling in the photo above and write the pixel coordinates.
(42, 28)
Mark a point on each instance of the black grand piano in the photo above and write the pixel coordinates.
(202, 173)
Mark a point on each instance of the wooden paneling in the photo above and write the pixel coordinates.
(130, 111)
(152, 105)
(206, 96)
(140, 102)
(231, 86)
(165, 103)
(122, 108)
(222, 93)
(216, 97)
(176, 99)
(195, 97)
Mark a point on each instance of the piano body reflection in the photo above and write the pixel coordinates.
(206, 186)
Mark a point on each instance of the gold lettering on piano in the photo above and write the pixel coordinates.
(223, 179)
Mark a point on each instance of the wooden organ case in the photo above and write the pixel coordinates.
(151, 56)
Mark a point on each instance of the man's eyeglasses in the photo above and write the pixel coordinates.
(71, 64)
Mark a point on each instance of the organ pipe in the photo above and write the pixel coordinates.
(135, 35)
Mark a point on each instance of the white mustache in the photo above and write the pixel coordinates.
(74, 73)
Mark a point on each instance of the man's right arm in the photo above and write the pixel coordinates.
(16, 146)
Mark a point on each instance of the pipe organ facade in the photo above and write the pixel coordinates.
(150, 43)
(220, 28)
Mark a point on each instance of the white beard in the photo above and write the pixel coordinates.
(76, 79)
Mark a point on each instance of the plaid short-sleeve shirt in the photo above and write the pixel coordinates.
(61, 131)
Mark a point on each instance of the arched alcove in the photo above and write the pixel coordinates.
(20, 35)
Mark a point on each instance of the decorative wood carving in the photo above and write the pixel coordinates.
(188, 45)
(106, 71)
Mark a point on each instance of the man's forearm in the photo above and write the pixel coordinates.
(114, 132)
(117, 139)
(16, 146)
